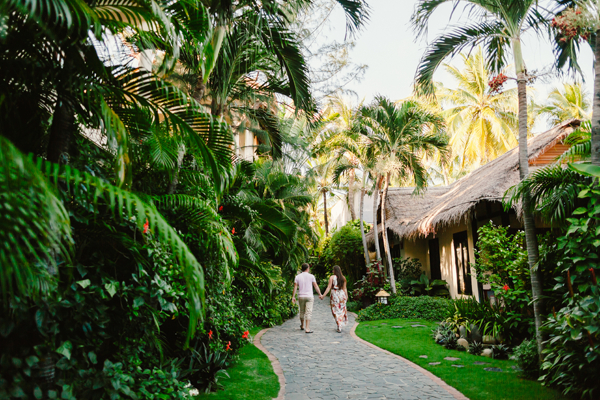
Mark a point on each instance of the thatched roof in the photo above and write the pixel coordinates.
(410, 216)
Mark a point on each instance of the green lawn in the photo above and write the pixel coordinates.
(472, 380)
(251, 378)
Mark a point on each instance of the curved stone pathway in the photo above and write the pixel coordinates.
(328, 365)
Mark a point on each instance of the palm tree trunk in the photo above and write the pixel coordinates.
(199, 89)
(63, 122)
(325, 212)
(596, 106)
(362, 228)
(375, 204)
(386, 244)
(528, 220)
(351, 180)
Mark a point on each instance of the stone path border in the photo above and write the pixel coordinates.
(274, 362)
(455, 393)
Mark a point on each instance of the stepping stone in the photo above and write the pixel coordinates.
(384, 323)
(458, 366)
(516, 368)
(422, 356)
(451, 358)
(435, 363)
(419, 326)
(480, 363)
(493, 369)
(397, 327)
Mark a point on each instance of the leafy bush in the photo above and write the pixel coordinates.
(475, 348)
(345, 248)
(371, 283)
(572, 352)
(490, 318)
(527, 358)
(501, 351)
(353, 306)
(406, 270)
(423, 286)
(422, 307)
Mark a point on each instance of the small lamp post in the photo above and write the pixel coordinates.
(382, 296)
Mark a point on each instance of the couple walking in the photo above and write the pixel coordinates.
(305, 282)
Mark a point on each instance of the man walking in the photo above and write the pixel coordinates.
(306, 281)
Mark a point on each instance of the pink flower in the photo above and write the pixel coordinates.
(146, 226)
(245, 335)
(505, 287)
(228, 346)
(233, 231)
(210, 334)
(221, 208)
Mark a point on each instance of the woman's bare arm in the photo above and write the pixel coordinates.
(328, 287)
(346, 289)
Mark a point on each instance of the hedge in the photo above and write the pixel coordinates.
(421, 307)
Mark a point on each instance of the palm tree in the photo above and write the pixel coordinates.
(567, 47)
(401, 136)
(481, 122)
(572, 101)
(503, 22)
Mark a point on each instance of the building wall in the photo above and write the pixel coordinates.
(419, 248)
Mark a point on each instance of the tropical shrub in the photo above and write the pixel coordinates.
(345, 248)
(406, 270)
(423, 286)
(527, 358)
(422, 307)
(475, 348)
(572, 351)
(501, 351)
(371, 283)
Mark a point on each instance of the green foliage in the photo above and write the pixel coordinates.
(475, 348)
(423, 286)
(489, 318)
(371, 283)
(527, 358)
(345, 248)
(406, 270)
(423, 307)
(572, 352)
(501, 351)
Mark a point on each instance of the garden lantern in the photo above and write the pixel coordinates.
(382, 296)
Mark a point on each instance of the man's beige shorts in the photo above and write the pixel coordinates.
(306, 306)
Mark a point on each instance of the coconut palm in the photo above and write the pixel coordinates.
(569, 102)
(401, 137)
(481, 122)
(499, 26)
(584, 17)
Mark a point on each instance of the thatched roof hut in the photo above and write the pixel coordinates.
(410, 216)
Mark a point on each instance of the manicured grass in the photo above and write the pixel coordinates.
(251, 378)
(472, 380)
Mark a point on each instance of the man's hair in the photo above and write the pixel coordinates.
(305, 266)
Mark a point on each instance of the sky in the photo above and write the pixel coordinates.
(387, 45)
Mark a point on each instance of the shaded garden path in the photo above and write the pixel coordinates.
(328, 365)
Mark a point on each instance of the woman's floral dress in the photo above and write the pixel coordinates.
(338, 304)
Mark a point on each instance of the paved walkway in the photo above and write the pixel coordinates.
(328, 365)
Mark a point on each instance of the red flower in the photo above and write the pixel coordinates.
(146, 225)
(505, 287)
(221, 208)
(245, 335)
(228, 346)
(210, 334)
(233, 231)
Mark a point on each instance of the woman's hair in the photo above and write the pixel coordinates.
(337, 271)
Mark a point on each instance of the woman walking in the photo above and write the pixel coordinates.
(339, 296)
